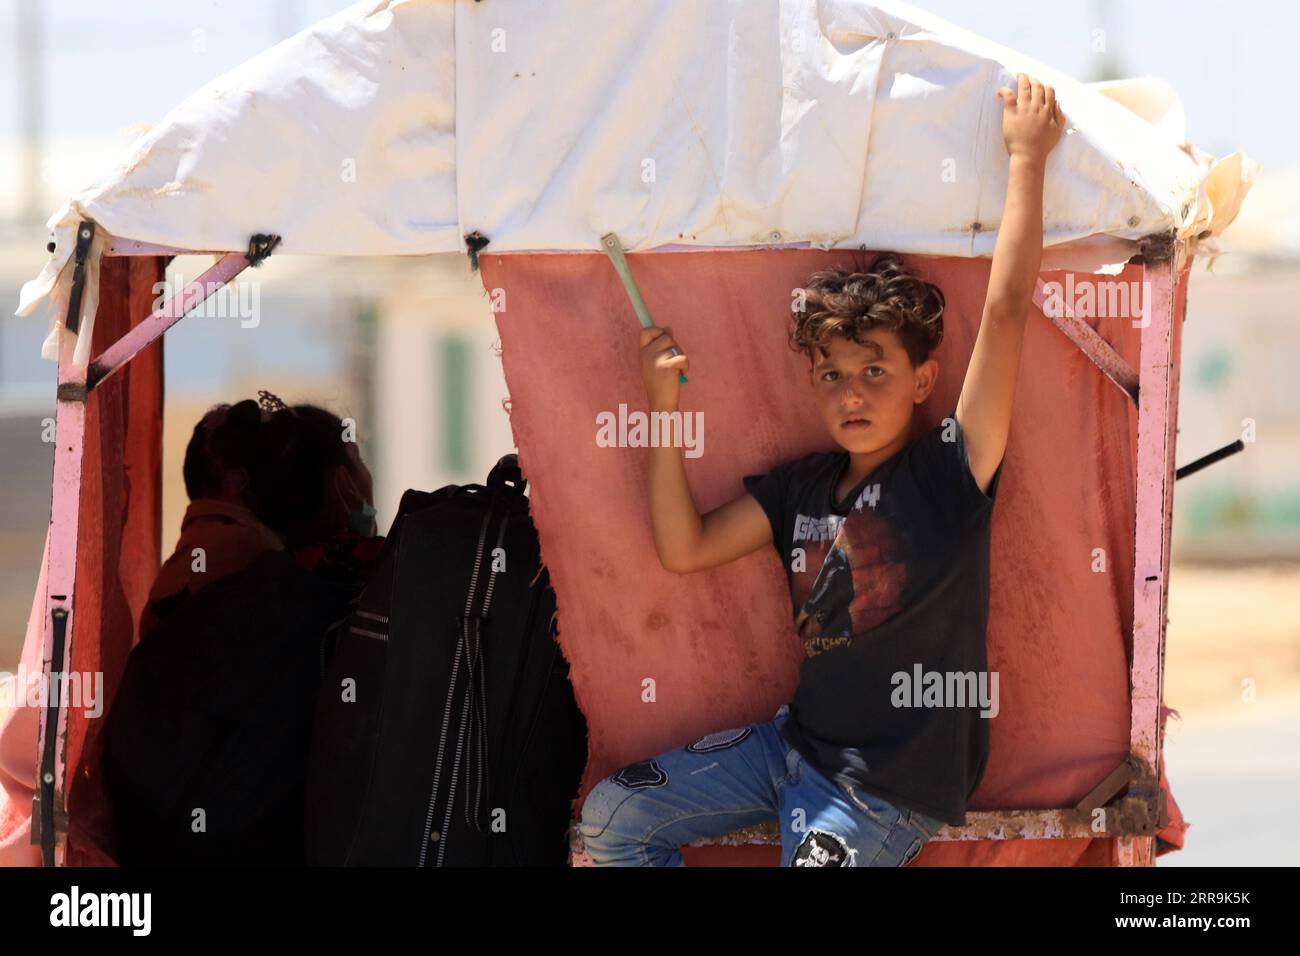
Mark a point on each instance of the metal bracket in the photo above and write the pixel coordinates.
(475, 242)
(1109, 787)
(1131, 805)
(71, 392)
(85, 233)
(45, 799)
(260, 246)
(1156, 247)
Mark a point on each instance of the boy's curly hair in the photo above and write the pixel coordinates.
(851, 303)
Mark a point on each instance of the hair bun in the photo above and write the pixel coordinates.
(244, 416)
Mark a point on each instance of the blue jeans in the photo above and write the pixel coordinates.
(643, 814)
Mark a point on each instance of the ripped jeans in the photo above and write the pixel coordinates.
(643, 814)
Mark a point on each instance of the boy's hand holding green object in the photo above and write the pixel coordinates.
(661, 366)
(614, 249)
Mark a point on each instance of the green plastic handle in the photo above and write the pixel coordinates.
(614, 248)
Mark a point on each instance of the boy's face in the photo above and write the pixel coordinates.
(866, 393)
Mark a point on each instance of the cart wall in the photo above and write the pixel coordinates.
(719, 646)
(118, 553)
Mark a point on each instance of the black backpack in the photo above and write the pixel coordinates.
(446, 731)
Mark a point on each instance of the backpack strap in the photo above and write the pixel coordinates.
(470, 731)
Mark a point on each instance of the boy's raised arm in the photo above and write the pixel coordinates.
(685, 541)
(1031, 125)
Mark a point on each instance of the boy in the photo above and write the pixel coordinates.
(886, 549)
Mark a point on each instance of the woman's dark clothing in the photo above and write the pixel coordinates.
(208, 734)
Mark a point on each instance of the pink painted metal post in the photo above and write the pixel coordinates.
(1102, 354)
(48, 823)
(1157, 415)
(74, 386)
(163, 318)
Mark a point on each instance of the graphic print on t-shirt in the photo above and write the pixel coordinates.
(857, 580)
(854, 564)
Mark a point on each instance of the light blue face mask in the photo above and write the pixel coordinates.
(362, 522)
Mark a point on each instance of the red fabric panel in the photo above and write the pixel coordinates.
(720, 645)
(122, 488)
(117, 558)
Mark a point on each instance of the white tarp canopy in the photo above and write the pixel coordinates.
(400, 126)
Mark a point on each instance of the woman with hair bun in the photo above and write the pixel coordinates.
(220, 532)
(207, 739)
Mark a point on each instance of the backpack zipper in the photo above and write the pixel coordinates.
(451, 693)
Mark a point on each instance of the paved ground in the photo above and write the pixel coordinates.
(1234, 765)
(1236, 776)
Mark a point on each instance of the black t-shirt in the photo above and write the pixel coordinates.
(890, 593)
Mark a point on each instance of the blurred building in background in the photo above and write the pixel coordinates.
(1241, 347)
(402, 346)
